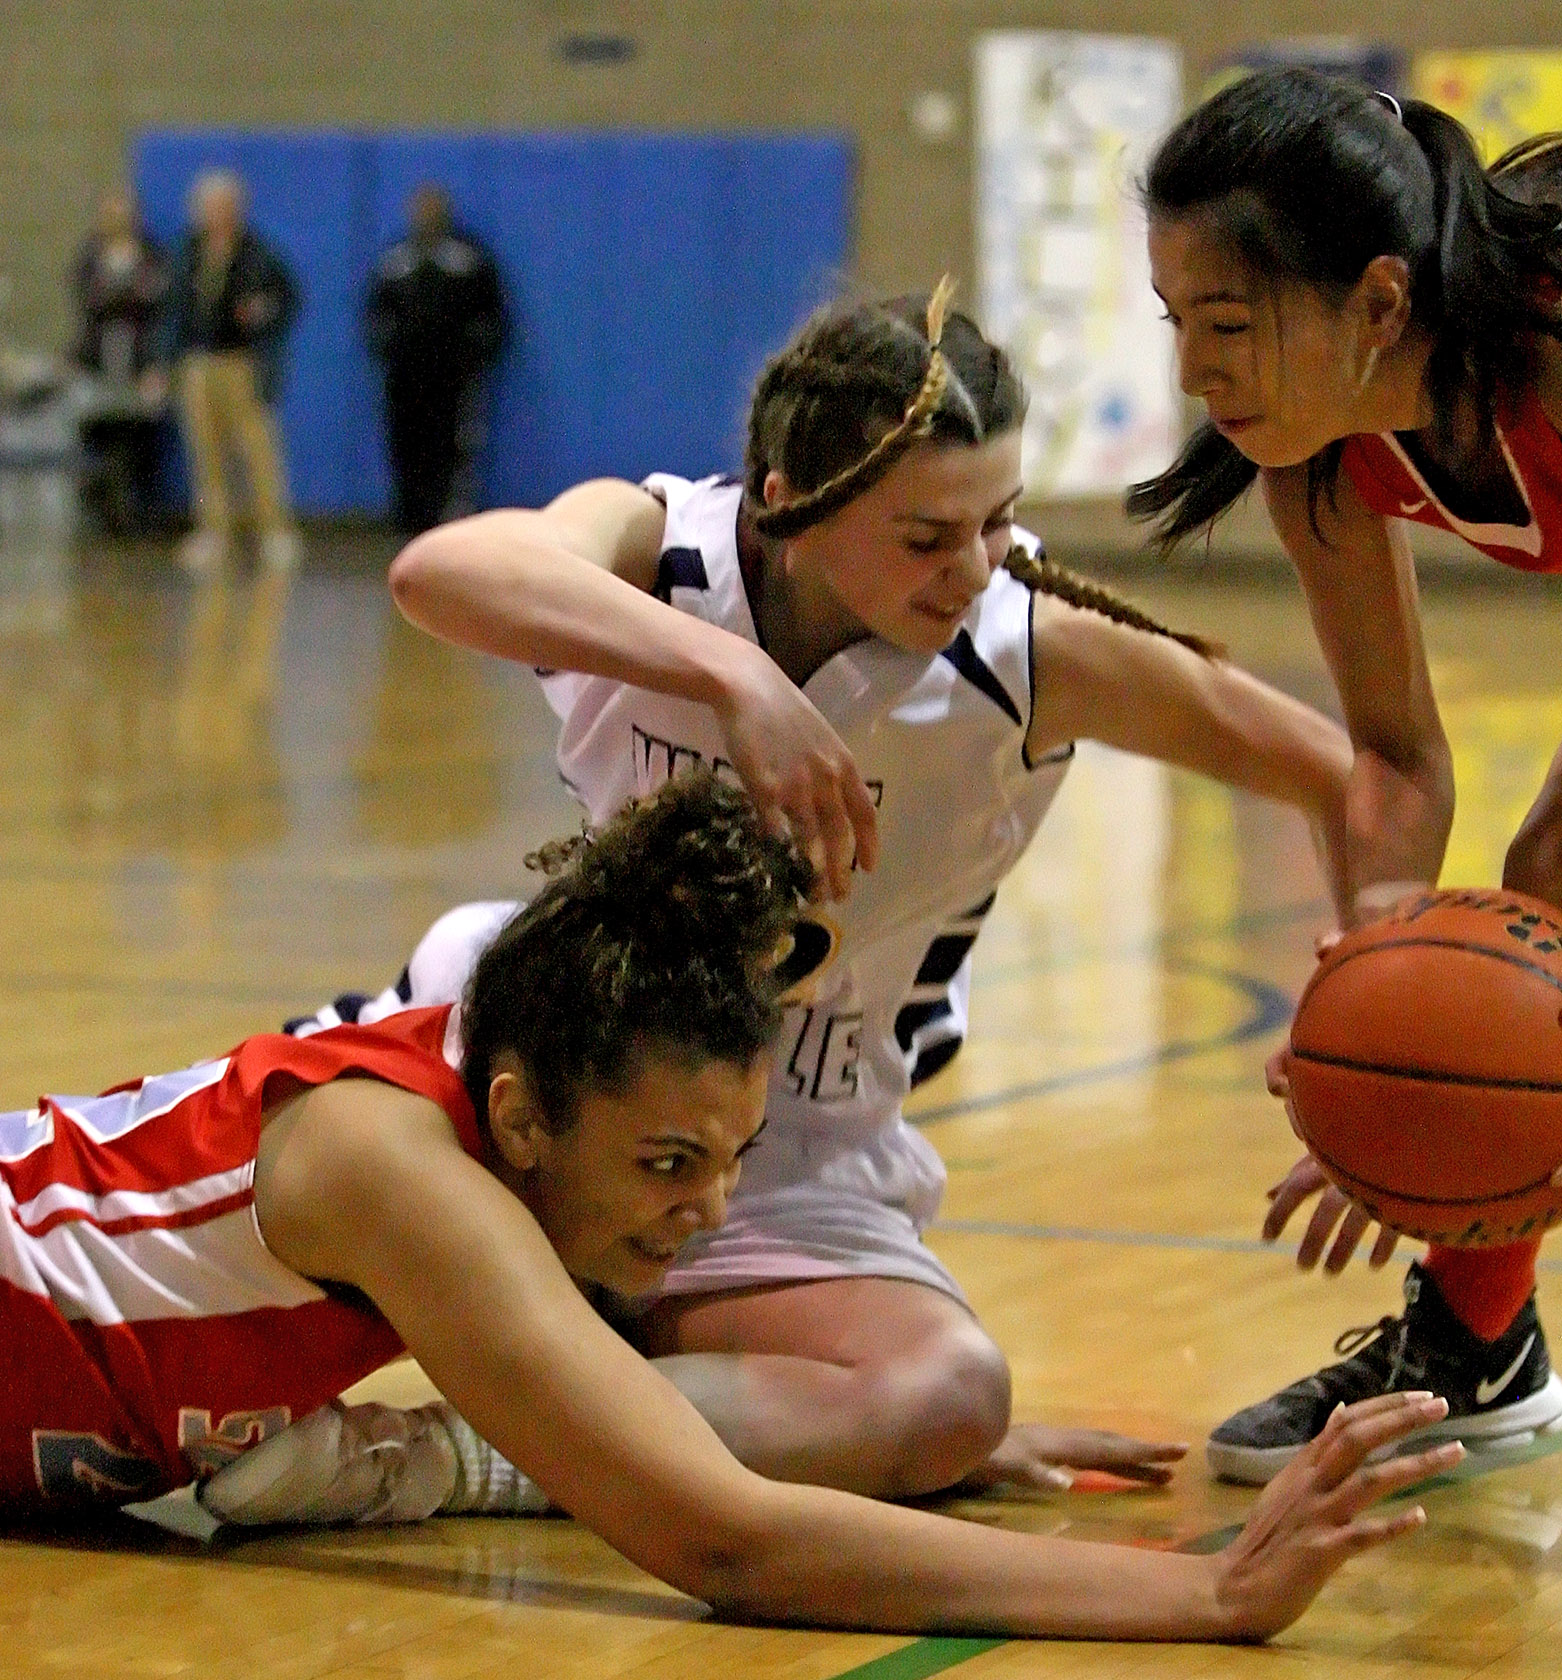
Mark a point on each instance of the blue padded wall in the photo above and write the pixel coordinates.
(648, 277)
(309, 196)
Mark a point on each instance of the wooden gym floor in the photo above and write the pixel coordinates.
(222, 803)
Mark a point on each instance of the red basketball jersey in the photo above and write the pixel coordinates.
(147, 1333)
(1389, 483)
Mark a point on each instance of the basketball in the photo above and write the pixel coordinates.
(1426, 1067)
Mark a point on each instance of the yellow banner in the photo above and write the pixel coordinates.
(1502, 96)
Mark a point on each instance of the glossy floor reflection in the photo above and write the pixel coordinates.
(222, 802)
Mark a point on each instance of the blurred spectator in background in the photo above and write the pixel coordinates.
(436, 319)
(120, 282)
(230, 306)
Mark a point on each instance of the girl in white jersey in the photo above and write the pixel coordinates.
(860, 634)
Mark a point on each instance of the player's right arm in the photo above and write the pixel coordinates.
(365, 1184)
(568, 587)
(1360, 582)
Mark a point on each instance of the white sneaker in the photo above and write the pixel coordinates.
(202, 552)
(370, 1464)
(281, 551)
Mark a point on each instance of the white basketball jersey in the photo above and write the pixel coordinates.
(940, 743)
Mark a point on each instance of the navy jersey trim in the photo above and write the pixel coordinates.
(934, 1060)
(962, 654)
(914, 1016)
(1030, 667)
(943, 958)
(679, 568)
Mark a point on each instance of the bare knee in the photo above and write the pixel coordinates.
(940, 1409)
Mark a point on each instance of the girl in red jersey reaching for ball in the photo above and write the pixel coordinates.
(1371, 319)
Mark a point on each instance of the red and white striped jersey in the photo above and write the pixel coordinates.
(147, 1333)
(1389, 482)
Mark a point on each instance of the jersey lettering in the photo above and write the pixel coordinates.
(658, 761)
(73, 1466)
(207, 1450)
(823, 1063)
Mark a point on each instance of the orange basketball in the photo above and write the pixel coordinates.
(1426, 1067)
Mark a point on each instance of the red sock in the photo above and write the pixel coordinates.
(1485, 1287)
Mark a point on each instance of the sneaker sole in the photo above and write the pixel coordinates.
(1505, 1427)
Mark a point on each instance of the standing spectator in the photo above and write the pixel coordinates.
(119, 282)
(436, 318)
(230, 308)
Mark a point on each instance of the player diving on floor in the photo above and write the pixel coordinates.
(189, 1261)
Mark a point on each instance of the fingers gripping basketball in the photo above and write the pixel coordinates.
(1425, 1067)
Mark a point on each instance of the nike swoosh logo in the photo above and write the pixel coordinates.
(1486, 1392)
(1408, 509)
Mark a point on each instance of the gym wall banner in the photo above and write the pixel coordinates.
(1065, 124)
(1502, 96)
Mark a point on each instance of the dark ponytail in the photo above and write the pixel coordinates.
(1206, 478)
(1306, 179)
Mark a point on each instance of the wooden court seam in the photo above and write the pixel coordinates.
(1272, 1011)
(1143, 1239)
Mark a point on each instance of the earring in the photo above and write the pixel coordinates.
(1366, 368)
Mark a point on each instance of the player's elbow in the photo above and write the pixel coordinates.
(416, 573)
(748, 1564)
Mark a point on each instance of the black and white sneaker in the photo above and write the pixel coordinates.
(1500, 1394)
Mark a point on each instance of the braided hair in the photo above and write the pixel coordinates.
(662, 933)
(1046, 577)
(859, 386)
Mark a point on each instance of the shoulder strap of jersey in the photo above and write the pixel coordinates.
(699, 572)
(412, 1050)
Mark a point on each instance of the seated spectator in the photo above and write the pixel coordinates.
(231, 304)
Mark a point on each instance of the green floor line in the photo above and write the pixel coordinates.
(921, 1658)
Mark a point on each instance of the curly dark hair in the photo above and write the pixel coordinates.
(658, 935)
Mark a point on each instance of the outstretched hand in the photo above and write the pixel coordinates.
(799, 773)
(1335, 1215)
(1033, 1458)
(1310, 1519)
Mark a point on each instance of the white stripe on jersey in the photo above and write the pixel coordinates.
(111, 1116)
(24, 1130)
(65, 1201)
(220, 1266)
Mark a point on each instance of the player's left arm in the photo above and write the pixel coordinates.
(1144, 693)
(366, 1184)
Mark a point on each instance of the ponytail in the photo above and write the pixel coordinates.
(1497, 269)
(1206, 478)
